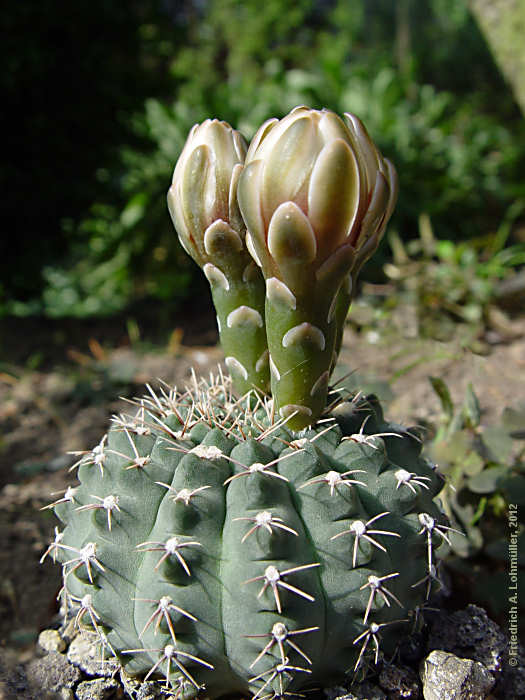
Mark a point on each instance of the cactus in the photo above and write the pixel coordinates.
(209, 543)
(211, 546)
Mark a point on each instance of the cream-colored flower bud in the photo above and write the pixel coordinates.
(308, 175)
(315, 194)
(202, 201)
(204, 188)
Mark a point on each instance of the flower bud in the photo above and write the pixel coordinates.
(315, 194)
(202, 201)
(204, 189)
(324, 181)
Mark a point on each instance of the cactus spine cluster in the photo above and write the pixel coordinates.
(256, 544)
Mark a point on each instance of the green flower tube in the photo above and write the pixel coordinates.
(316, 195)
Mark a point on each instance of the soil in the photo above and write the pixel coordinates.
(59, 384)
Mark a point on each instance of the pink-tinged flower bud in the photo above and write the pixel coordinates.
(321, 179)
(204, 188)
(202, 201)
(316, 195)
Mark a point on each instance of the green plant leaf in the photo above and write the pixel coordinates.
(488, 480)
(498, 442)
(471, 408)
(514, 422)
(473, 464)
(443, 394)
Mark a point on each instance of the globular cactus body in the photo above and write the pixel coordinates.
(211, 547)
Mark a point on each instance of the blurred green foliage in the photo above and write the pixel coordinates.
(416, 71)
(450, 283)
(484, 466)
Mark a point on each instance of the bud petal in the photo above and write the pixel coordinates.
(291, 239)
(220, 240)
(334, 267)
(234, 213)
(332, 127)
(248, 196)
(365, 148)
(223, 159)
(252, 250)
(180, 223)
(194, 190)
(240, 146)
(376, 210)
(288, 166)
(261, 134)
(334, 194)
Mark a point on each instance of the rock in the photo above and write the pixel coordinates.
(99, 689)
(50, 640)
(85, 651)
(447, 677)
(400, 682)
(471, 634)
(50, 674)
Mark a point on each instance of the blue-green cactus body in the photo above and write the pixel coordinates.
(210, 548)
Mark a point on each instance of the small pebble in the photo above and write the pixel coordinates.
(86, 653)
(99, 689)
(50, 640)
(447, 677)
